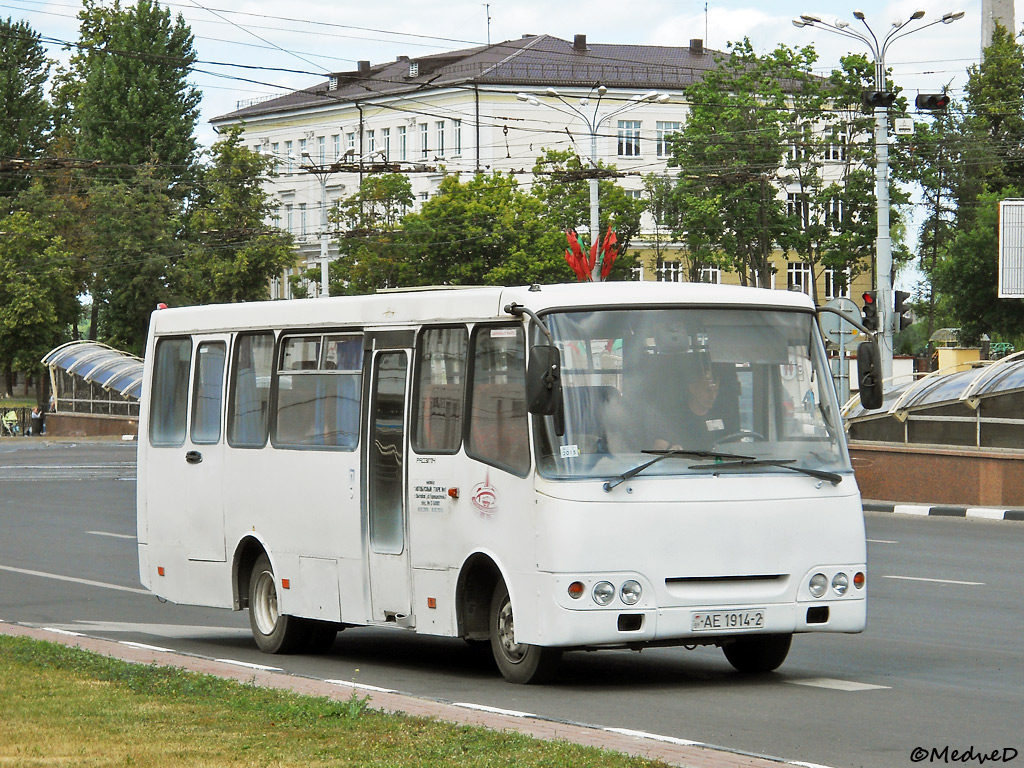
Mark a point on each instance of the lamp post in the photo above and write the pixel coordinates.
(321, 172)
(883, 243)
(592, 120)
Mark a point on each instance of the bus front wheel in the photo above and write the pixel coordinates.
(274, 632)
(758, 653)
(517, 662)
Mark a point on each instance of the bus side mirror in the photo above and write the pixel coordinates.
(869, 375)
(544, 381)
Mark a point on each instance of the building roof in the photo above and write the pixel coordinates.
(533, 60)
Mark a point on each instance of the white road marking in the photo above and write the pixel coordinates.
(882, 541)
(495, 710)
(113, 535)
(839, 685)
(145, 647)
(248, 665)
(654, 737)
(361, 686)
(63, 632)
(178, 631)
(937, 581)
(73, 580)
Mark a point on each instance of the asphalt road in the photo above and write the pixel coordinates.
(939, 666)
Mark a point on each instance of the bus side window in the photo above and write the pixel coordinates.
(208, 392)
(318, 391)
(169, 396)
(440, 390)
(497, 412)
(251, 370)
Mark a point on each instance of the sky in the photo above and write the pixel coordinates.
(255, 49)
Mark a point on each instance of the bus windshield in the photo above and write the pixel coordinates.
(718, 390)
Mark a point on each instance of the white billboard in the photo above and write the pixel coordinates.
(1011, 249)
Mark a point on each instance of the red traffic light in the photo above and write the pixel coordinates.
(869, 297)
(932, 101)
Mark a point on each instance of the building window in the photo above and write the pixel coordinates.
(711, 275)
(275, 151)
(302, 220)
(403, 143)
(457, 136)
(440, 138)
(288, 157)
(336, 143)
(834, 213)
(669, 272)
(629, 138)
(798, 276)
(289, 219)
(665, 132)
(385, 143)
(371, 141)
(796, 205)
(836, 147)
(303, 149)
(321, 147)
(424, 140)
(837, 283)
(350, 142)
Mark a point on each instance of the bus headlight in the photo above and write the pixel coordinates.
(603, 592)
(630, 592)
(818, 584)
(840, 583)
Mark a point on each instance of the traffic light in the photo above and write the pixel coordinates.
(901, 309)
(933, 102)
(874, 99)
(870, 311)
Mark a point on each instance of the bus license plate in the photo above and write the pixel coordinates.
(706, 621)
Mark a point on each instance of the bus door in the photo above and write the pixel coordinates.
(202, 459)
(386, 479)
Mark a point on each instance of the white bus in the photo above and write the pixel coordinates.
(543, 468)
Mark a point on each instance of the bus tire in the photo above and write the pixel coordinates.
(518, 662)
(758, 653)
(273, 632)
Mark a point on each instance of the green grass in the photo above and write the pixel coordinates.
(64, 706)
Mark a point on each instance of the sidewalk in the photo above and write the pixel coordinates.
(673, 751)
(944, 510)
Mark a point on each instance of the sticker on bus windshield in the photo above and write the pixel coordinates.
(503, 333)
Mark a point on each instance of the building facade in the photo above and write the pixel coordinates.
(489, 108)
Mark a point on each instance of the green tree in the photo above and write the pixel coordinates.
(561, 183)
(25, 114)
(970, 280)
(731, 150)
(484, 231)
(36, 301)
(229, 253)
(371, 251)
(134, 248)
(125, 98)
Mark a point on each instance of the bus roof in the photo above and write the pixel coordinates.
(452, 304)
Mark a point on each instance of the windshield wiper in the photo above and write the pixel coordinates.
(664, 454)
(820, 474)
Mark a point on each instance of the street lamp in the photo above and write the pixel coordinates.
(592, 120)
(321, 172)
(883, 243)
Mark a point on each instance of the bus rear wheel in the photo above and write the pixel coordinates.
(273, 632)
(758, 653)
(517, 662)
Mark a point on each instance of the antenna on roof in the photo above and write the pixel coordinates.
(487, 6)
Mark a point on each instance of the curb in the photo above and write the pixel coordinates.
(682, 753)
(945, 510)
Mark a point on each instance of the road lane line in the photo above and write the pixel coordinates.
(361, 686)
(937, 581)
(249, 665)
(494, 710)
(655, 737)
(882, 541)
(113, 535)
(839, 685)
(67, 632)
(73, 580)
